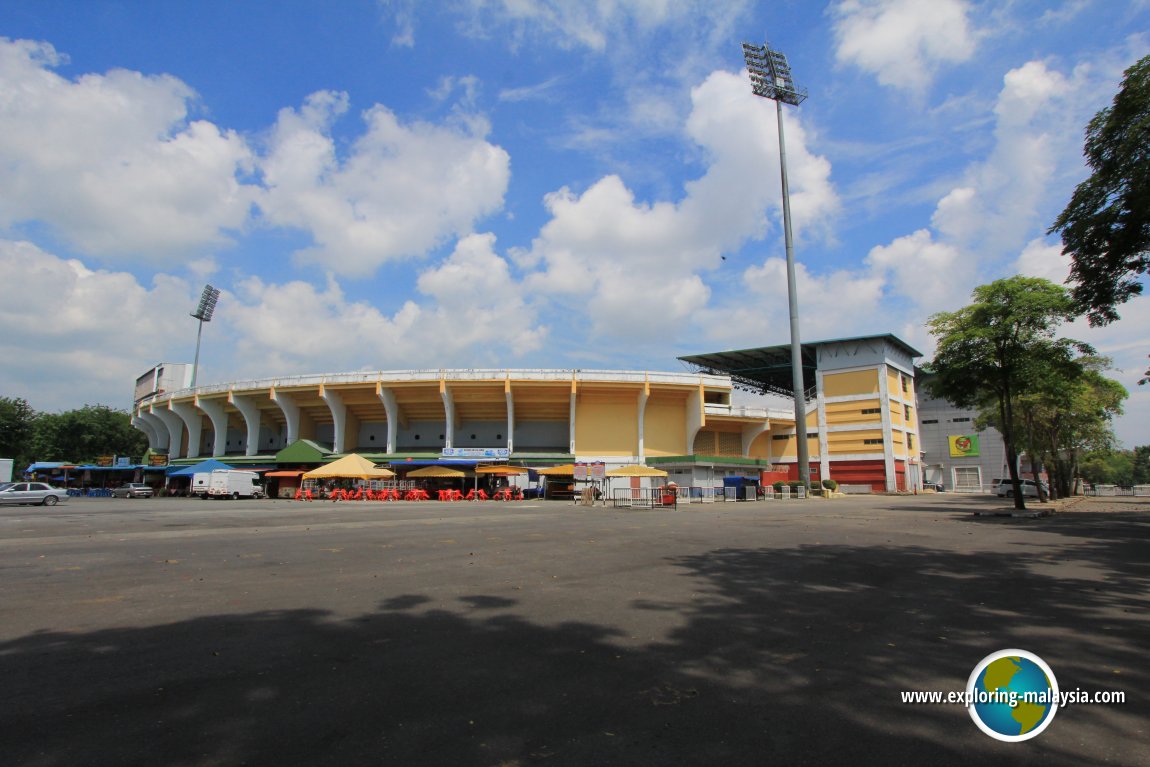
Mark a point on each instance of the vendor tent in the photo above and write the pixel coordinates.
(502, 471)
(437, 472)
(350, 466)
(198, 468)
(636, 470)
(566, 470)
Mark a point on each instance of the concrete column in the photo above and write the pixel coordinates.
(162, 436)
(391, 406)
(251, 413)
(824, 438)
(175, 429)
(510, 419)
(448, 413)
(887, 434)
(643, 397)
(214, 409)
(139, 423)
(194, 421)
(345, 423)
(751, 432)
(299, 424)
(696, 418)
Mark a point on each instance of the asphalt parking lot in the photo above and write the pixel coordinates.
(186, 632)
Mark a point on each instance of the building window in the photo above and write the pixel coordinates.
(910, 442)
(872, 442)
(959, 420)
(930, 420)
(905, 384)
(871, 410)
(906, 412)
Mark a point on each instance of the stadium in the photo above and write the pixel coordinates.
(861, 421)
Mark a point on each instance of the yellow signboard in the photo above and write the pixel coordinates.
(963, 446)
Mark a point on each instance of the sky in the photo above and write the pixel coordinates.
(400, 184)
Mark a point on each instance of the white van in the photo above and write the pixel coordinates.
(1005, 489)
(227, 483)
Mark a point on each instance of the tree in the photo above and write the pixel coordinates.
(16, 422)
(994, 351)
(86, 433)
(1069, 412)
(1105, 227)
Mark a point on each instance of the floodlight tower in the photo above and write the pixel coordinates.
(771, 79)
(203, 313)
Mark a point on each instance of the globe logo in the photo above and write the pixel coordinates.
(1013, 695)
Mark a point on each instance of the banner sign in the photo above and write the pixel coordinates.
(104, 460)
(963, 446)
(598, 470)
(580, 472)
(476, 452)
(157, 459)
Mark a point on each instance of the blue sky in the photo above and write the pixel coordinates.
(528, 183)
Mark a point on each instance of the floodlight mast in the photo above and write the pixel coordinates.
(203, 313)
(771, 79)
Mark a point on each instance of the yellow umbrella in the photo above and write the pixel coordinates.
(636, 470)
(566, 470)
(501, 470)
(350, 466)
(437, 472)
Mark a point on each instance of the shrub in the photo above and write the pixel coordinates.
(830, 484)
(778, 486)
(794, 484)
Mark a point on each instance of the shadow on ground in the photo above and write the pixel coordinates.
(785, 656)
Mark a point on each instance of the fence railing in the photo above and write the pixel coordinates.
(1118, 490)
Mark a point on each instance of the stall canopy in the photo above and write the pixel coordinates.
(566, 470)
(439, 472)
(203, 466)
(502, 471)
(349, 467)
(636, 470)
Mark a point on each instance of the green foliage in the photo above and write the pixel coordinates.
(86, 433)
(1108, 467)
(830, 484)
(1002, 347)
(778, 486)
(1105, 227)
(16, 423)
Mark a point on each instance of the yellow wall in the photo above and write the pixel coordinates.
(759, 446)
(856, 382)
(894, 384)
(843, 442)
(789, 448)
(607, 426)
(896, 418)
(665, 429)
(840, 413)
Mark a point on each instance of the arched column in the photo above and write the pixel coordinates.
(140, 424)
(214, 409)
(194, 422)
(391, 406)
(251, 413)
(175, 429)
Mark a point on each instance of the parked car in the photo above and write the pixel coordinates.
(133, 490)
(31, 492)
(1029, 488)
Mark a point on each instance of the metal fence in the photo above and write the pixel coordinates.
(1118, 490)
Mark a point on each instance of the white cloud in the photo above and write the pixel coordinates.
(477, 316)
(402, 189)
(923, 271)
(637, 262)
(112, 162)
(66, 328)
(903, 42)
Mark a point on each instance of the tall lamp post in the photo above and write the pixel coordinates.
(203, 313)
(771, 79)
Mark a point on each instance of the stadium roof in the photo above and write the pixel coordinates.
(767, 369)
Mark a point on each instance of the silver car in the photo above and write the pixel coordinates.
(133, 490)
(31, 492)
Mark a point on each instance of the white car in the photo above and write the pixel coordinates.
(31, 492)
(1029, 488)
